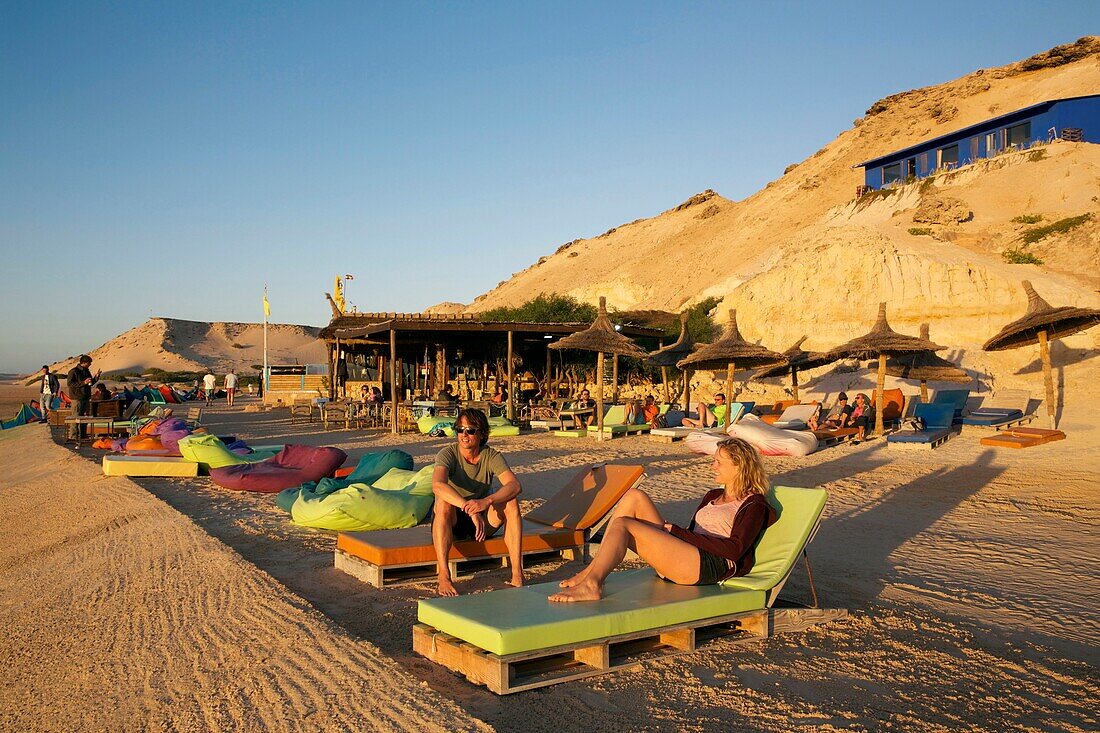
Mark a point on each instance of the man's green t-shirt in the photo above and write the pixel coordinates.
(472, 481)
(720, 412)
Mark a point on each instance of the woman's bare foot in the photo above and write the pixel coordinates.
(446, 587)
(575, 580)
(586, 590)
(517, 580)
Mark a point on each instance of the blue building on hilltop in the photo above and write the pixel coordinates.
(1072, 118)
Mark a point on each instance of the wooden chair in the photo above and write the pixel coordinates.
(336, 412)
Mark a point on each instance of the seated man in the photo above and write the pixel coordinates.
(584, 404)
(709, 416)
(466, 507)
(642, 414)
(838, 417)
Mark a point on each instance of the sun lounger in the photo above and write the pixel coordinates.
(615, 426)
(515, 639)
(676, 432)
(561, 527)
(938, 427)
(956, 398)
(777, 410)
(1023, 438)
(120, 465)
(1003, 410)
(795, 417)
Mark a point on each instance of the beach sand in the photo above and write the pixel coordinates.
(970, 574)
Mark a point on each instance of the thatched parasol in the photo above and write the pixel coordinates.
(798, 360)
(669, 355)
(602, 338)
(926, 367)
(882, 341)
(731, 349)
(1041, 323)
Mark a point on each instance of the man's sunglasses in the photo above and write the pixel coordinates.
(466, 431)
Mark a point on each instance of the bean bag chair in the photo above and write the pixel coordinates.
(371, 467)
(397, 500)
(210, 451)
(292, 466)
(768, 440)
(498, 427)
(147, 445)
(435, 426)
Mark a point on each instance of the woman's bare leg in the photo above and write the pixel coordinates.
(635, 504)
(671, 557)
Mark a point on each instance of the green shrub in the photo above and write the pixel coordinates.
(1020, 257)
(920, 231)
(927, 184)
(1031, 236)
(1036, 155)
(1027, 219)
(544, 308)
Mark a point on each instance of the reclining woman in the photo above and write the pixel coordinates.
(717, 544)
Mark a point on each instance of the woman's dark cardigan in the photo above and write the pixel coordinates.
(754, 516)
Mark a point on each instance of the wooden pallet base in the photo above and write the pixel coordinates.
(990, 429)
(530, 670)
(380, 576)
(920, 446)
(829, 442)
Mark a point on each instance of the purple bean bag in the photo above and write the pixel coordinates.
(292, 466)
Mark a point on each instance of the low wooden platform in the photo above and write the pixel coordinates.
(530, 670)
(381, 576)
(921, 446)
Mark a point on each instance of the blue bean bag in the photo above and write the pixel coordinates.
(371, 467)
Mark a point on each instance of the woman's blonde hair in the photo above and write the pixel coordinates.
(753, 475)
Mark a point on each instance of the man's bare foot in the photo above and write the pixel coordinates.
(575, 580)
(587, 590)
(516, 581)
(446, 587)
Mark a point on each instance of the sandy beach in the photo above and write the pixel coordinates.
(176, 605)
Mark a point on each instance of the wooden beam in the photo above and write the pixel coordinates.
(393, 381)
(511, 381)
(1048, 376)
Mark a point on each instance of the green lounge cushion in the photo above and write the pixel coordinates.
(397, 500)
(798, 512)
(517, 620)
(210, 452)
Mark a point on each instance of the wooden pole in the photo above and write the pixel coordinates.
(794, 381)
(1048, 376)
(599, 396)
(511, 385)
(729, 395)
(614, 379)
(880, 389)
(924, 391)
(664, 381)
(393, 381)
(687, 391)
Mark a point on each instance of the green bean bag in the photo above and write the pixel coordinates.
(428, 424)
(498, 427)
(210, 452)
(397, 500)
(371, 467)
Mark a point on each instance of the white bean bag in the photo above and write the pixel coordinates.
(770, 441)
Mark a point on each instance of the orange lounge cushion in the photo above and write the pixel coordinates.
(1023, 438)
(895, 403)
(391, 547)
(588, 496)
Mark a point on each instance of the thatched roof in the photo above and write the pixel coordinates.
(669, 355)
(732, 347)
(1041, 316)
(798, 360)
(882, 340)
(601, 336)
(926, 366)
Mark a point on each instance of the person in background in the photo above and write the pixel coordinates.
(861, 418)
(709, 416)
(837, 418)
(100, 393)
(230, 387)
(51, 387)
(79, 385)
(584, 402)
(209, 384)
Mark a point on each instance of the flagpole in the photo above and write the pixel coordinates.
(263, 377)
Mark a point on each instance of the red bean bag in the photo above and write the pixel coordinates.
(292, 466)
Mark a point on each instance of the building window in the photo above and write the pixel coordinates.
(974, 148)
(910, 169)
(947, 157)
(1019, 136)
(891, 173)
(990, 144)
(924, 163)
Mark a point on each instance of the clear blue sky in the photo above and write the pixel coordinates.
(169, 159)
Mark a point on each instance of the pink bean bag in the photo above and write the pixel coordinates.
(292, 466)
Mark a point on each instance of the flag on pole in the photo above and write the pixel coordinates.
(267, 306)
(338, 294)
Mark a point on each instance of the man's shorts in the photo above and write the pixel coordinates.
(464, 528)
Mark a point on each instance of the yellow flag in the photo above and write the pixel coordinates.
(338, 294)
(267, 306)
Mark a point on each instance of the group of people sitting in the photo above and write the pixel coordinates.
(476, 495)
(638, 412)
(860, 416)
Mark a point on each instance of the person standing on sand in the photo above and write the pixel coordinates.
(230, 387)
(209, 384)
(51, 387)
(466, 507)
(717, 544)
(79, 384)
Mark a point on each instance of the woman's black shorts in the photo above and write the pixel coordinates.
(712, 568)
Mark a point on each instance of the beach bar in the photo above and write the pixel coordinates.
(405, 354)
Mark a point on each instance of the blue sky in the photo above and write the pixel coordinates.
(170, 159)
